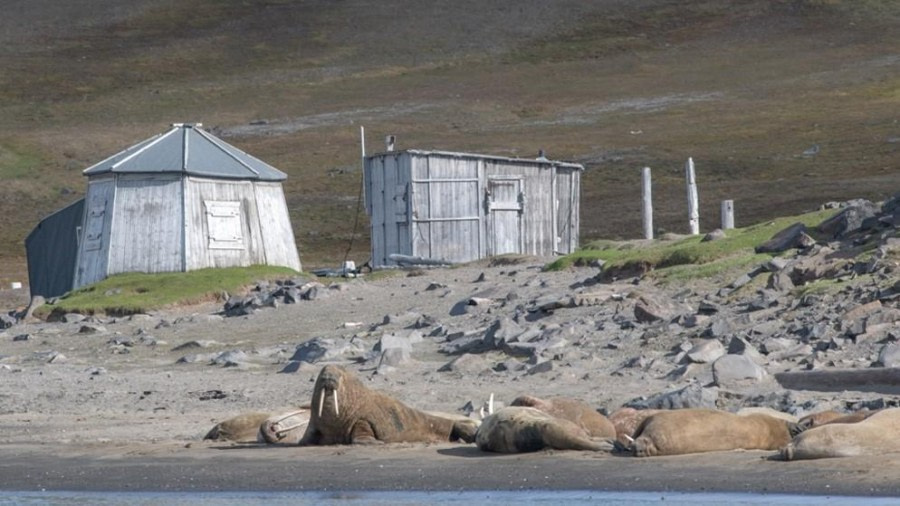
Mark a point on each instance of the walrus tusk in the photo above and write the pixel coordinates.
(491, 404)
(321, 401)
(629, 438)
(337, 411)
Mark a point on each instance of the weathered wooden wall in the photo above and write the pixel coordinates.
(147, 233)
(275, 226)
(201, 195)
(93, 251)
(460, 207)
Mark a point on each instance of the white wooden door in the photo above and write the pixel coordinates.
(505, 204)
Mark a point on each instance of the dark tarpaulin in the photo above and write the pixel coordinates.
(52, 250)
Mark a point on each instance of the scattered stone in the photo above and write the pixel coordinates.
(467, 364)
(21, 337)
(92, 329)
(691, 396)
(705, 352)
(735, 369)
(202, 343)
(715, 235)
(73, 318)
(794, 236)
(232, 358)
(541, 367)
(651, 308)
(889, 356)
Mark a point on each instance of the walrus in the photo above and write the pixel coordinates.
(627, 421)
(285, 428)
(243, 428)
(774, 413)
(827, 417)
(520, 429)
(681, 431)
(344, 411)
(577, 412)
(876, 434)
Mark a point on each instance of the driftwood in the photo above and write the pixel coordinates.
(880, 379)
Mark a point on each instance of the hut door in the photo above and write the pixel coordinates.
(505, 204)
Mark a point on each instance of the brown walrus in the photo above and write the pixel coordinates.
(243, 428)
(683, 431)
(879, 433)
(520, 429)
(827, 417)
(577, 412)
(627, 421)
(285, 428)
(344, 411)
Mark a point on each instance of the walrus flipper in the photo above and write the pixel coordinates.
(464, 430)
(362, 433)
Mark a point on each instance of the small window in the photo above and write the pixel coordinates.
(224, 222)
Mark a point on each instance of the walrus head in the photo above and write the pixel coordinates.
(330, 381)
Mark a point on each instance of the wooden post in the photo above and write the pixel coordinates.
(646, 204)
(727, 214)
(389, 142)
(693, 206)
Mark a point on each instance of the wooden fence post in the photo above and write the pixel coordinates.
(646, 203)
(727, 214)
(693, 206)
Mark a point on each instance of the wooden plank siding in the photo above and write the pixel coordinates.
(277, 234)
(93, 250)
(146, 235)
(461, 207)
(198, 254)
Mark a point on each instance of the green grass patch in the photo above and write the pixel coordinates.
(681, 258)
(17, 163)
(138, 292)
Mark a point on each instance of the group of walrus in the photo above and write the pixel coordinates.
(343, 411)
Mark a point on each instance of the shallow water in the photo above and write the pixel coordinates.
(415, 498)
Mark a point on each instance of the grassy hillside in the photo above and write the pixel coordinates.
(745, 87)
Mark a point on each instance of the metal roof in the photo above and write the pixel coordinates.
(525, 161)
(187, 149)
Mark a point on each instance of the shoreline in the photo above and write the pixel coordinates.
(171, 467)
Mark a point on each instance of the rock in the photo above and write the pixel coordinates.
(735, 369)
(202, 343)
(21, 337)
(862, 310)
(318, 349)
(231, 358)
(889, 356)
(795, 351)
(776, 344)
(776, 264)
(92, 329)
(7, 321)
(705, 352)
(467, 364)
(742, 280)
(402, 339)
(691, 396)
(650, 308)
(541, 367)
(715, 235)
(393, 357)
(502, 331)
(780, 282)
(849, 220)
(788, 238)
(73, 318)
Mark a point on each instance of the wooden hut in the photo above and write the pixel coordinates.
(179, 201)
(459, 207)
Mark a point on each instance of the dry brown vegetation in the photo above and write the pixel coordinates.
(742, 86)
